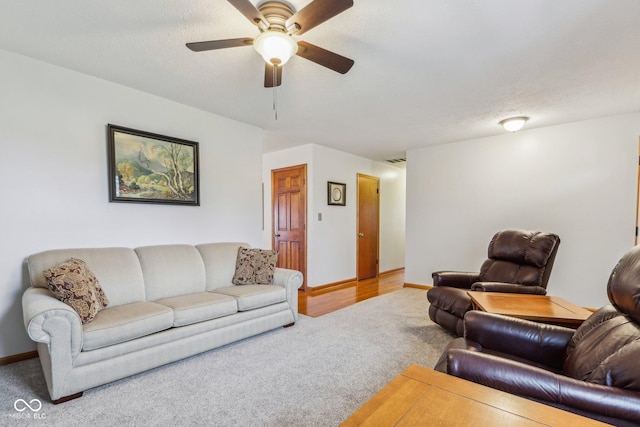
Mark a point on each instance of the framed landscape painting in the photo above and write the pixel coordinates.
(149, 168)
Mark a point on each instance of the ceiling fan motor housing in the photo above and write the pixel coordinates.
(276, 14)
(274, 43)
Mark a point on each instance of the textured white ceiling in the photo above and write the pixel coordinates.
(426, 71)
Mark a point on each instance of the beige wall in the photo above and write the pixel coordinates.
(54, 175)
(577, 180)
(331, 243)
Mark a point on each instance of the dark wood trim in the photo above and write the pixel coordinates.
(67, 398)
(18, 357)
(417, 286)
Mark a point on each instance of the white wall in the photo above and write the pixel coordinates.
(393, 190)
(54, 174)
(331, 243)
(577, 180)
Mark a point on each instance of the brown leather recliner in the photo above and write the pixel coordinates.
(593, 371)
(519, 262)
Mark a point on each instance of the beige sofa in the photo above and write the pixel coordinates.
(165, 303)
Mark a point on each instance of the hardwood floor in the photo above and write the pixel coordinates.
(319, 302)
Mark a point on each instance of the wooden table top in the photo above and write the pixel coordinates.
(540, 308)
(421, 397)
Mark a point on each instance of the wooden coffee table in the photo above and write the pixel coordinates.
(539, 308)
(423, 397)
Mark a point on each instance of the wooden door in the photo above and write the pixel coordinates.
(289, 202)
(368, 219)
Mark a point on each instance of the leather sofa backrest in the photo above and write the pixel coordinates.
(623, 288)
(522, 257)
(605, 350)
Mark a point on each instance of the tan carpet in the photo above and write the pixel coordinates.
(315, 373)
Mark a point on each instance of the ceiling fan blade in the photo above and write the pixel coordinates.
(324, 57)
(249, 11)
(268, 76)
(316, 12)
(219, 44)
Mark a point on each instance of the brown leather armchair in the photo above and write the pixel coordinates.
(518, 262)
(593, 371)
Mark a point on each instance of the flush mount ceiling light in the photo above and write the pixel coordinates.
(513, 124)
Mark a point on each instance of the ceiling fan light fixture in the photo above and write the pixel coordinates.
(275, 47)
(513, 124)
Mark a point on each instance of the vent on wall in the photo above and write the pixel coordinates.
(398, 160)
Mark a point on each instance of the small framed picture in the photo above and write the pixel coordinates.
(336, 193)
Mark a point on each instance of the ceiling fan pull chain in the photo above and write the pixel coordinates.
(275, 91)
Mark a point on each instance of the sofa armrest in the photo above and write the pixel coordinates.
(536, 383)
(455, 279)
(287, 278)
(48, 320)
(529, 340)
(512, 288)
(291, 280)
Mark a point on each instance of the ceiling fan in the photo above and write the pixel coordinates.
(278, 23)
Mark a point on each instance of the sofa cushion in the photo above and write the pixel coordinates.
(219, 262)
(255, 266)
(171, 271)
(194, 308)
(73, 283)
(250, 297)
(114, 325)
(122, 285)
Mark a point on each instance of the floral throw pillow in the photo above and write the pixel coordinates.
(255, 266)
(74, 284)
